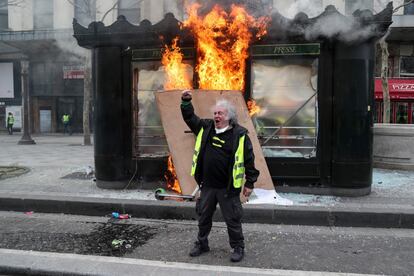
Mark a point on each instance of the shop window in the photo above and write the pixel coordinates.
(286, 91)
(43, 78)
(131, 10)
(85, 11)
(149, 77)
(412, 113)
(393, 117)
(39, 80)
(402, 113)
(409, 9)
(42, 14)
(378, 112)
(406, 66)
(353, 5)
(4, 15)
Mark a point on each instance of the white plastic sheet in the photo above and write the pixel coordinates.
(262, 196)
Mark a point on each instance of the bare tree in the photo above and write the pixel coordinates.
(112, 8)
(86, 7)
(384, 69)
(89, 9)
(384, 79)
(16, 3)
(87, 96)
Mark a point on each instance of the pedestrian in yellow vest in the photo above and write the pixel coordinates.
(66, 124)
(10, 123)
(223, 161)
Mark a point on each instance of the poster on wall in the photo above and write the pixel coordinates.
(6, 80)
(16, 110)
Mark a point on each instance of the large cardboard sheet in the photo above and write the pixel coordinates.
(181, 140)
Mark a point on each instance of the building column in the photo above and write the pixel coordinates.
(352, 109)
(112, 158)
(26, 138)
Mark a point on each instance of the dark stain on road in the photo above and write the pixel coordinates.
(106, 239)
(79, 175)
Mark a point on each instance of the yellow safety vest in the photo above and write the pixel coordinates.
(11, 120)
(196, 151)
(65, 118)
(238, 167)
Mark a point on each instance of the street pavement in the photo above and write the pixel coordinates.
(57, 244)
(59, 180)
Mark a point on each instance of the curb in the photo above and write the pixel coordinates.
(348, 216)
(45, 263)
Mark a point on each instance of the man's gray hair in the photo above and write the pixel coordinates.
(231, 110)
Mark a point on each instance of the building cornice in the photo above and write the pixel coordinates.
(330, 25)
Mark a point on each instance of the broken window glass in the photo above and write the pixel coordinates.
(149, 138)
(286, 91)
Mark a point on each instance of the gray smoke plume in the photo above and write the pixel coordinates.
(311, 8)
(332, 24)
(314, 7)
(336, 25)
(255, 8)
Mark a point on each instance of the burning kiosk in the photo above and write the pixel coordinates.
(311, 77)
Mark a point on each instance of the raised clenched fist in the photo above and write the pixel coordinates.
(186, 95)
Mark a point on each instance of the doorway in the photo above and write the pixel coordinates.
(45, 120)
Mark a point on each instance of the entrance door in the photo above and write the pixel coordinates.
(45, 120)
(3, 117)
(66, 105)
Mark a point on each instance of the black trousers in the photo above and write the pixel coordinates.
(231, 210)
(10, 128)
(66, 128)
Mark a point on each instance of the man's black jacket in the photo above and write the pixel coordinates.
(195, 124)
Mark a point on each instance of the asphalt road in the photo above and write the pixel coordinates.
(351, 250)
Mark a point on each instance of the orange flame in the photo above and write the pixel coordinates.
(176, 70)
(171, 177)
(222, 43)
(253, 107)
(177, 77)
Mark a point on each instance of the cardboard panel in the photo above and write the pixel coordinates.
(181, 140)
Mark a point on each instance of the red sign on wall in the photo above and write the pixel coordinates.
(399, 88)
(73, 72)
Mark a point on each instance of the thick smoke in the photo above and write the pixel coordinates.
(311, 7)
(314, 7)
(70, 45)
(335, 25)
(255, 8)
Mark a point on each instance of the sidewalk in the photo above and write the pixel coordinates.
(42, 263)
(43, 189)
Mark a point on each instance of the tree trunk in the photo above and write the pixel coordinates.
(384, 80)
(87, 87)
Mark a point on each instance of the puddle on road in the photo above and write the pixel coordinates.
(79, 176)
(106, 239)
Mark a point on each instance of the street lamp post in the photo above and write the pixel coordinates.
(26, 139)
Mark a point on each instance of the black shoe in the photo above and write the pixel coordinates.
(198, 250)
(237, 254)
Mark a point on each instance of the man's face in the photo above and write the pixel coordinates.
(220, 117)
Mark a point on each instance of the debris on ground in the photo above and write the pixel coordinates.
(120, 216)
(12, 171)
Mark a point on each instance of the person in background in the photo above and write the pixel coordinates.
(223, 158)
(66, 123)
(10, 123)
